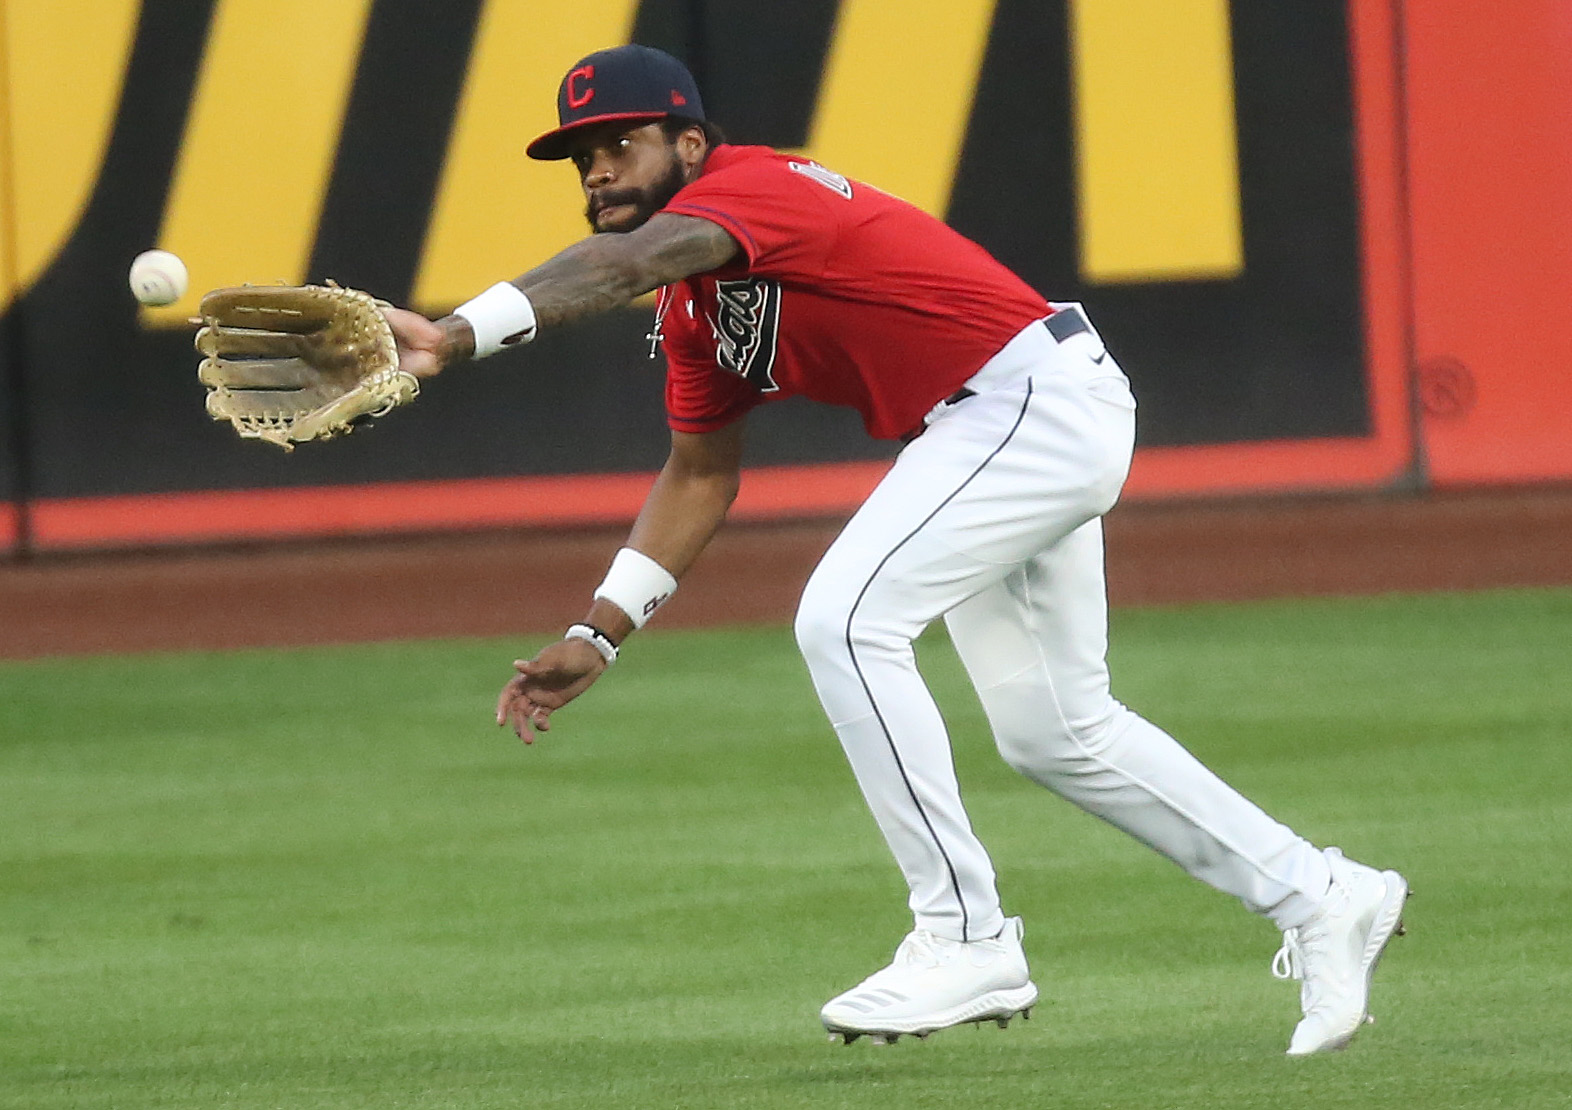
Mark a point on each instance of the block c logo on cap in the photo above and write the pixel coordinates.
(576, 98)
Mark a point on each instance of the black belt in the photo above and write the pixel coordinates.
(1061, 325)
(1066, 323)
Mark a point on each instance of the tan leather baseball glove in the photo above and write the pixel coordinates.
(293, 363)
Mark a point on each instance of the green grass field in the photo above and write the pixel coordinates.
(322, 879)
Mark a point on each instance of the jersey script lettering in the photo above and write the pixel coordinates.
(831, 180)
(746, 327)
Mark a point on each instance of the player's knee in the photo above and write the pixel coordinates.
(1041, 751)
(1037, 738)
(811, 631)
(833, 621)
(820, 626)
(1048, 763)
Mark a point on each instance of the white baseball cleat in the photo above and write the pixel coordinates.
(1335, 953)
(934, 983)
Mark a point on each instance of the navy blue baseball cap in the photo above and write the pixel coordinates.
(637, 84)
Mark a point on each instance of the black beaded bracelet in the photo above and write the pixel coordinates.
(597, 639)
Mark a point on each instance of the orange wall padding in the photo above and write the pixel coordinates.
(1489, 98)
(79, 523)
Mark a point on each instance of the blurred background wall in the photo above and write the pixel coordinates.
(1331, 244)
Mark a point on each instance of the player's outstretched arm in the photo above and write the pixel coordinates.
(685, 507)
(607, 271)
(593, 275)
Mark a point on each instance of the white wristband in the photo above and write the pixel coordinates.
(500, 317)
(637, 585)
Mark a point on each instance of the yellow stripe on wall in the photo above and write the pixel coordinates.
(897, 93)
(1156, 146)
(59, 90)
(498, 213)
(260, 142)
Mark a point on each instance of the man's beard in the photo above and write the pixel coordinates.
(646, 202)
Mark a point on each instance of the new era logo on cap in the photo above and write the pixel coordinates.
(632, 83)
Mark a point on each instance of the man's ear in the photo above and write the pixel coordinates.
(692, 147)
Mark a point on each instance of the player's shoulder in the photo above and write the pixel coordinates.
(736, 157)
(734, 163)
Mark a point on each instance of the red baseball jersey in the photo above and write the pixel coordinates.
(842, 293)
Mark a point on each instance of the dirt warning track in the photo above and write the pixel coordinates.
(517, 583)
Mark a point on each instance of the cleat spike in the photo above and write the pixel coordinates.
(885, 1038)
(1026, 1014)
(1401, 930)
(1002, 1022)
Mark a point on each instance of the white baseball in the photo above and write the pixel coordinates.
(158, 277)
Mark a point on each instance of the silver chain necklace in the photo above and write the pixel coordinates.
(662, 305)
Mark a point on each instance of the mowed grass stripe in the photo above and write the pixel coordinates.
(322, 878)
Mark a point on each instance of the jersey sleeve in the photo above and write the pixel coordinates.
(702, 398)
(784, 221)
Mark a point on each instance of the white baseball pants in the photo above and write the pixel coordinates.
(991, 519)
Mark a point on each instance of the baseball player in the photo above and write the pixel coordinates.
(778, 276)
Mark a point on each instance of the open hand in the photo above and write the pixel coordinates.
(544, 684)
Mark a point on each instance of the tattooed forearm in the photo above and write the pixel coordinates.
(605, 271)
(587, 278)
